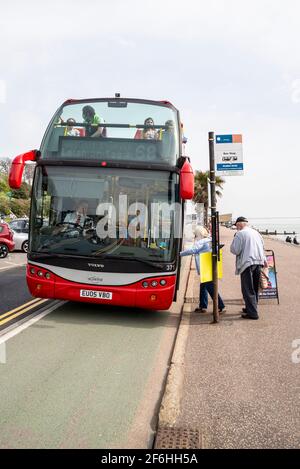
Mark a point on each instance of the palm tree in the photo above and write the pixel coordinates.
(201, 190)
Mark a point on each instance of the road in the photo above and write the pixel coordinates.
(13, 286)
(87, 376)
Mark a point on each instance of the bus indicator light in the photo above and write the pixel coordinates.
(103, 163)
(153, 297)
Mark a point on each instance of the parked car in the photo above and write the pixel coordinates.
(6, 240)
(20, 228)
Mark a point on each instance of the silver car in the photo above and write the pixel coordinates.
(20, 227)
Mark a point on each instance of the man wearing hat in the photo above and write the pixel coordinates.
(248, 247)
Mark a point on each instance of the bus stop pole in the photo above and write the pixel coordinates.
(212, 176)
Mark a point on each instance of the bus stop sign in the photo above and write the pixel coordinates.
(229, 155)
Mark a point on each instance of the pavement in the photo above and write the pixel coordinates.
(237, 383)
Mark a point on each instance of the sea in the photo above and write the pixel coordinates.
(283, 226)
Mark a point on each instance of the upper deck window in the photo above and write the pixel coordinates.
(116, 130)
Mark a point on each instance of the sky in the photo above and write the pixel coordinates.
(228, 66)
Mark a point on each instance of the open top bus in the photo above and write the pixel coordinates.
(107, 201)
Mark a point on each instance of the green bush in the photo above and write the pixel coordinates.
(20, 207)
(22, 193)
(4, 187)
(4, 205)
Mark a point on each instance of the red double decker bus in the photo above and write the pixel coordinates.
(107, 203)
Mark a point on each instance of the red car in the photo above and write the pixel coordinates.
(6, 240)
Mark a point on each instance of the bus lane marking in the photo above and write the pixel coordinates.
(22, 311)
(5, 337)
(18, 308)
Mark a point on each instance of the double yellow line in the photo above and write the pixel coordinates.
(14, 313)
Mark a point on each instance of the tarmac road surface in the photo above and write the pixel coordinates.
(13, 287)
(87, 376)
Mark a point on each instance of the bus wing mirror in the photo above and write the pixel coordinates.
(186, 181)
(17, 168)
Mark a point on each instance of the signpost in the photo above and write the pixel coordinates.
(226, 159)
(229, 155)
(214, 230)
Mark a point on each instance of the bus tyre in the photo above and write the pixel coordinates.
(3, 250)
(25, 246)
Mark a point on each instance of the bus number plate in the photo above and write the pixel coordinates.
(103, 295)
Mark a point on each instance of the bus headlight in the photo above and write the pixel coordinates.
(40, 273)
(145, 284)
(163, 282)
(154, 283)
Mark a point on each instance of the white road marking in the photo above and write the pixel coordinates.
(12, 265)
(29, 323)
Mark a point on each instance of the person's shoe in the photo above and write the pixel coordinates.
(222, 311)
(246, 316)
(200, 310)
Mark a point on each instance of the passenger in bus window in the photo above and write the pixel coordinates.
(90, 117)
(58, 121)
(70, 130)
(149, 132)
(169, 124)
(168, 140)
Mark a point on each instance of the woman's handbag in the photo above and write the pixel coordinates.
(264, 278)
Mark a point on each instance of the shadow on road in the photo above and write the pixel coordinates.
(79, 313)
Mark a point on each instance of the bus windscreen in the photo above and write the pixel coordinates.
(102, 212)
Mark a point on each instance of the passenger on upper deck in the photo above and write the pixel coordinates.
(90, 117)
(70, 130)
(168, 140)
(149, 132)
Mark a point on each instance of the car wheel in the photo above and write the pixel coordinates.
(3, 250)
(25, 246)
